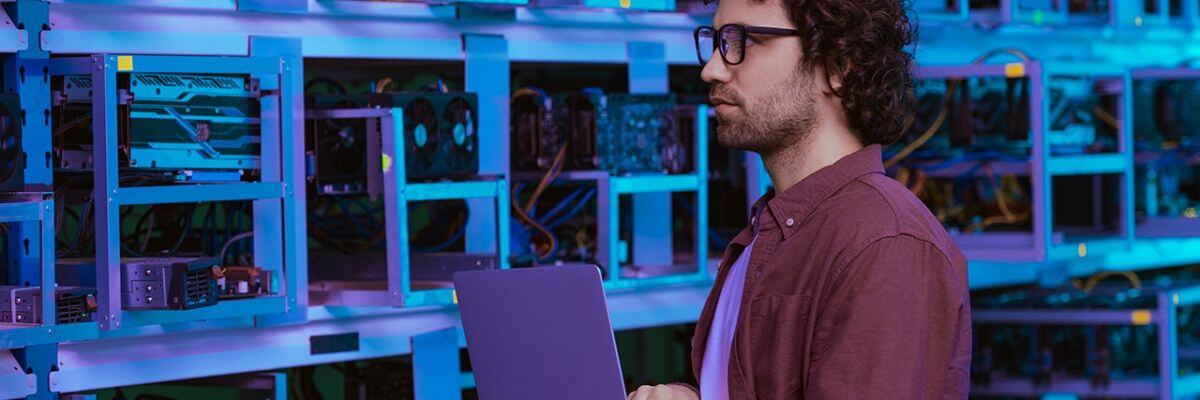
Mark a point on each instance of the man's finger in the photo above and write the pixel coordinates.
(639, 394)
(662, 392)
(643, 393)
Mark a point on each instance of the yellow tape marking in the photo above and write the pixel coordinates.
(124, 63)
(1140, 317)
(1014, 70)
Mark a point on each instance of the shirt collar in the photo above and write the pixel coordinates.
(790, 208)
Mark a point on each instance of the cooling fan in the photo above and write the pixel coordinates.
(458, 131)
(421, 136)
(346, 150)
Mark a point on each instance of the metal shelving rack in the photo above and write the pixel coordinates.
(163, 32)
(610, 188)
(25, 64)
(266, 385)
(653, 262)
(1010, 247)
(398, 193)
(1155, 226)
(36, 210)
(276, 231)
(1118, 163)
(1170, 382)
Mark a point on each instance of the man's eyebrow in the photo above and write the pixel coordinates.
(734, 22)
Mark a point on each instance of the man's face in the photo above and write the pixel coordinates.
(766, 102)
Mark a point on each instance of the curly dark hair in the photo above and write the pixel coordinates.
(861, 44)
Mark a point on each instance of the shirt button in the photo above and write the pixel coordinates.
(753, 220)
(790, 222)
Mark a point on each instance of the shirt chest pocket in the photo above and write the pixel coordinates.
(777, 334)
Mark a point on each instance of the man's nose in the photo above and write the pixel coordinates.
(715, 69)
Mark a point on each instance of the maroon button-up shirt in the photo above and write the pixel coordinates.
(854, 291)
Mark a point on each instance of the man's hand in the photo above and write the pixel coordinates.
(663, 392)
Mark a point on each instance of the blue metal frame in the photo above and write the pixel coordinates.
(277, 6)
(609, 190)
(398, 192)
(651, 206)
(14, 39)
(276, 243)
(37, 268)
(1155, 226)
(487, 75)
(35, 344)
(436, 370)
(25, 72)
(1119, 163)
(14, 382)
(1170, 383)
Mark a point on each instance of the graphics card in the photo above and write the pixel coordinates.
(441, 139)
(165, 122)
(535, 137)
(638, 130)
(618, 132)
(337, 149)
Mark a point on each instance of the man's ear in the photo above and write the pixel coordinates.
(835, 72)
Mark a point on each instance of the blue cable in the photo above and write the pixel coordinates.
(561, 205)
(574, 211)
(370, 212)
(345, 206)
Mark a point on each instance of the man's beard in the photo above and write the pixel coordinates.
(767, 125)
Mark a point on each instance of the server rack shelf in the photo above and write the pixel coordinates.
(367, 30)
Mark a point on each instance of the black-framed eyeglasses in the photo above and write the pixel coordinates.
(730, 40)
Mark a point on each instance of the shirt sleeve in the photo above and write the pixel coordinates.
(892, 326)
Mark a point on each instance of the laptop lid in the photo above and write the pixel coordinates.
(539, 333)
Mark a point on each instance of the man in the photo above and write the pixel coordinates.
(844, 286)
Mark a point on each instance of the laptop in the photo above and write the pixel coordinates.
(539, 333)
